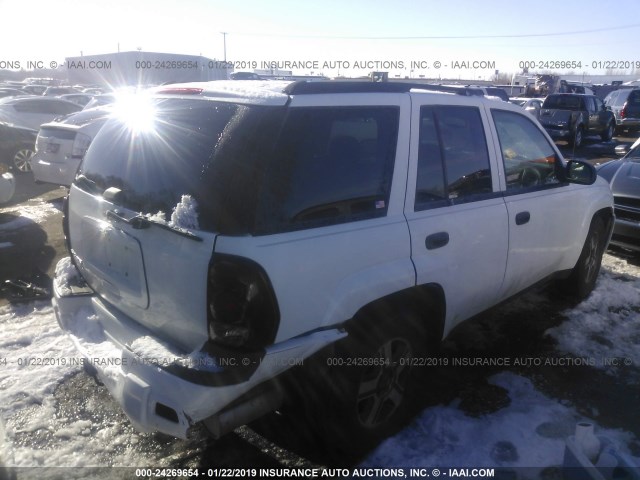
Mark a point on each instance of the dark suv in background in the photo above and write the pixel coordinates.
(572, 116)
(625, 105)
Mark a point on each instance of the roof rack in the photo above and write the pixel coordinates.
(337, 86)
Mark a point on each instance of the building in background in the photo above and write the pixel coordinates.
(143, 68)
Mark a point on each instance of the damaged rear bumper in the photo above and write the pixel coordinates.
(165, 389)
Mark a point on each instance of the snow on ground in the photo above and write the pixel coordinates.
(530, 432)
(37, 357)
(35, 210)
(607, 324)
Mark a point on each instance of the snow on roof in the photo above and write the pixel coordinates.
(266, 92)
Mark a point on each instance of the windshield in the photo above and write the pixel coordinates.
(212, 151)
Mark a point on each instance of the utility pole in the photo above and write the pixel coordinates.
(224, 41)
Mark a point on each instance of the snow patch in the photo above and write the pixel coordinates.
(65, 273)
(185, 214)
(38, 356)
(36, 210)
(607, 324)
(530, 432)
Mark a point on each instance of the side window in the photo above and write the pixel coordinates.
(589, 103)
(599, 105)
(611, 97)
(330, 165)
(621, 98)
(529, 159)
(453, 160)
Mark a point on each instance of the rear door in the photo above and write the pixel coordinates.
(456, 213)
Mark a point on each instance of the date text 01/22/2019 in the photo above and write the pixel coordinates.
(573, 64)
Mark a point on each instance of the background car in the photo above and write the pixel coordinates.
(7, 184)
(34, 89)
(60, 146)
(532, 105)
(100, 100)
(56, 91)
(245, 76)
(33, 111)
(573, 116)
(11, 92)
(624, 177)
(17, 145)
(80, 98)
(625, 105)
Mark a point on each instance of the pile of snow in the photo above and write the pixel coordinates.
(530, 432)
(607, 324)
(65, 273)
(36, 210)
(185, 214)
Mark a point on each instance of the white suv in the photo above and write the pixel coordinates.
(227, 231)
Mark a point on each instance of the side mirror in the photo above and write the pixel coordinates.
(621, 150)
(580, 172)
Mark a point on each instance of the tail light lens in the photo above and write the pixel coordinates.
(623, 112)
(80, 145)
(65, 223)
(242, 308)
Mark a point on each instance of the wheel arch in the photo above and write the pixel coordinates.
(427, 300)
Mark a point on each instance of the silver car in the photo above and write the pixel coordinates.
(60, 146)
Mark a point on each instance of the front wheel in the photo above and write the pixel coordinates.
(583, 276)
(578, 137)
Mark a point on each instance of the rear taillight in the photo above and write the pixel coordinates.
(242, 309)
(65, 223)
(80, 145)
(623, 112)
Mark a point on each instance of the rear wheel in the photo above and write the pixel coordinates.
(583, 276)
(578, 137)
(368, 386)
(21, 161)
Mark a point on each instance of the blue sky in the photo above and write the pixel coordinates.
(333, 31)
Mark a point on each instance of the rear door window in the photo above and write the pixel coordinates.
(331, 165)
(453, 160)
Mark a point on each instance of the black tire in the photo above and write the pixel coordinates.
(578, 137)
(585, 273)
(608, 133)
(368, 388)
(20, 160)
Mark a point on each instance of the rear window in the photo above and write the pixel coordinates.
(634, 98)
(564, 102)
(213, 151)
(60, 133)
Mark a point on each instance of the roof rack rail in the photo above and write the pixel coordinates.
(338, 86)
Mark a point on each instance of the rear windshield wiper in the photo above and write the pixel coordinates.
(141, 222)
